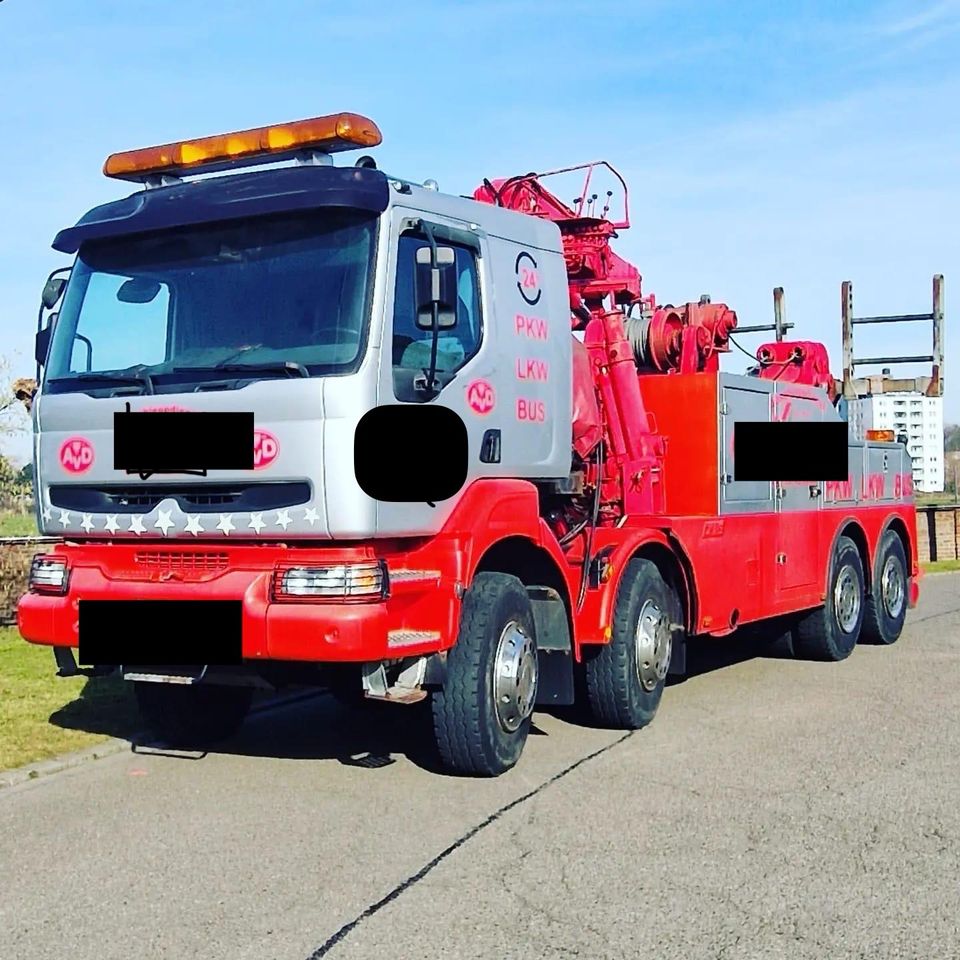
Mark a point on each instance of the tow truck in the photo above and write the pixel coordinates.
(306, 422)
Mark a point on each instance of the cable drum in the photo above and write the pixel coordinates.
(638, 336)
(655, 338)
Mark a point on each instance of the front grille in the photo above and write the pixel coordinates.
(187, 561)
(149, 497)
(198, 497)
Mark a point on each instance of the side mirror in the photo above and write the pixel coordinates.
(52, 291)
(436, 285)
(138, 290)
(42, 344)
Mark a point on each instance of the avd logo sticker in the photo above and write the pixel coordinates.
(480, 396)
(76, 455)
(265, 449)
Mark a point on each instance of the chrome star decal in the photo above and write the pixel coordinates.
(226, 523)
(283, 519)
(310, 515)
(164, 522)
(136, 526)
(111, 524)
(256, 522)
(87, 522)
(64, 520)
(193, 525)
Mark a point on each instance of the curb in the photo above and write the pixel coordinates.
(114, 745)
(66, 761)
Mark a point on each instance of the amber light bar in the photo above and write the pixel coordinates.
(884, 436)
(337, 132)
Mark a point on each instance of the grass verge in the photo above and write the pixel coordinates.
(941, 566)
(17, 524)
(43, 715)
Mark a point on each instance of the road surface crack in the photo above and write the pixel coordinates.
(374, 908)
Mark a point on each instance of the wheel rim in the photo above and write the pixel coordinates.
(515, 676)
(892, 588)
(653, 641)
(846, 599)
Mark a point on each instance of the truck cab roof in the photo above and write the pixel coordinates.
(288, 189)
(230, 197)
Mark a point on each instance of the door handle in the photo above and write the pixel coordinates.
(490, 447)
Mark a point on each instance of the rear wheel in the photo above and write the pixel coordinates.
(482, 714)
(192, 714)
(625, 678)
(887, 601)
(831, 632)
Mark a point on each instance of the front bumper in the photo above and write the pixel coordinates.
(417, 616)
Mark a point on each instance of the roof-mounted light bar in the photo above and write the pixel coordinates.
(332, 134)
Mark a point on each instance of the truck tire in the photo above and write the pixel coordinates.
(190, 715)
(482, 714)
(625, 678)
(887, 601)
(831, 632)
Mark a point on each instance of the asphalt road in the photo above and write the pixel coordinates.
(773, 809)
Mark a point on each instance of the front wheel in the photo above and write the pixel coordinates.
(625, 678)
(190, 715)
(482, 714)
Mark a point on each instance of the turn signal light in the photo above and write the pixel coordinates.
(884, 436)
(337, 132)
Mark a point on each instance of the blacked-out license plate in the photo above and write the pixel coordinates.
(143, 632)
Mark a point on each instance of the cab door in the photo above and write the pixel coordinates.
(465, 355)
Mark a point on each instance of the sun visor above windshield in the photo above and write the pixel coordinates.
(230, 198)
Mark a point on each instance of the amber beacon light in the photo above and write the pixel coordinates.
(332, 134)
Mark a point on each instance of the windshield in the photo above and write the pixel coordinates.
(253, 298)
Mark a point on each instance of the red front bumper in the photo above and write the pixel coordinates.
(418, 615)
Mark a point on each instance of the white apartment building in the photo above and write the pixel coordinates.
(917, 416)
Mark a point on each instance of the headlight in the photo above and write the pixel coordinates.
(347, 581)
(48, 575)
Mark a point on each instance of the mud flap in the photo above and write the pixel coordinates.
(678, 658)
(554, 654)
(67, 665)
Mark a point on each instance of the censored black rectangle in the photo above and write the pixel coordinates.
(177, 442)
(141, 632)
(790, 451)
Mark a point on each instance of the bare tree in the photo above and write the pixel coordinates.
(16, 393)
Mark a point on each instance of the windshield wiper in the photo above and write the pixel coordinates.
(143, 379)
(286, 367)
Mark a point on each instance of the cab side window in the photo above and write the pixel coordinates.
(411, 345)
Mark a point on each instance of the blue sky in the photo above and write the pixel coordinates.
(764, 143)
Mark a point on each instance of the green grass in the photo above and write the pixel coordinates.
(941, 566)
(42, 715)
(935, 499)
(17, 524)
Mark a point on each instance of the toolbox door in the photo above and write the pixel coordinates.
(799, 563)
